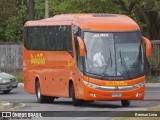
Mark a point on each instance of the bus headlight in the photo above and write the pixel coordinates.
(2, 81)
(90, 84)
(139, 84)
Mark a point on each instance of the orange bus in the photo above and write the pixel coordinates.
(85, 57)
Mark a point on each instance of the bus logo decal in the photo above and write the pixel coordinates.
(70, 63)
(121, 83)
(37, 59)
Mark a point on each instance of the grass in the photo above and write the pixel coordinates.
(18, 76)
(153, 79)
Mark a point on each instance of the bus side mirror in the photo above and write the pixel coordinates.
(148, 46)
(81, 46)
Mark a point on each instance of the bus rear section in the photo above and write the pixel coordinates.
(106, 61)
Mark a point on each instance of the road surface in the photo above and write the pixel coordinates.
(18, 95)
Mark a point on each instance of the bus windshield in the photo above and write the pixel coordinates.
(114, 55)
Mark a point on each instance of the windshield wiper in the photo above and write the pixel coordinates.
(110, 58)
(124, 65)
(93, 73)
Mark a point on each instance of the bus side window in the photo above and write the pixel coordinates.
(51, 38)
(60, 38)
(26, 38)
(39, 38)
(69, 40)
(31, 35)
(79, 59)
(34, 38)
(65, 38)
(43, 39)
(56, 37)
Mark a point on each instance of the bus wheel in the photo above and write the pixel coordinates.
(41, 98)
(125, 103)
(76, 102)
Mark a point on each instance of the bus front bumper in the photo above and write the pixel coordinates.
(117, 94)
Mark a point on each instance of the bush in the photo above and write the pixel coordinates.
(155, 63)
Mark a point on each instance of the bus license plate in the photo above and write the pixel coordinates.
(116, 95)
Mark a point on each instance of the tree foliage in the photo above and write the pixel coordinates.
(145, 12)
(12, 19)
(5, 5)
(14, 13)
(84, 6)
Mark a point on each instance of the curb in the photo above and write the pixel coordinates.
(19, 106)
(5, 105)
(152, 84)
(10, 106)
(20, 84)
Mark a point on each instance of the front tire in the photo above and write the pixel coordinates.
(125, 103)
(41, 98)
(76, 102)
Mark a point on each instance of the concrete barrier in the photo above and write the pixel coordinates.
(11, 57)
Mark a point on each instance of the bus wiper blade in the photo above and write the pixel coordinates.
(125, 65)
(103, 73)
(93, 73)
(110, 57)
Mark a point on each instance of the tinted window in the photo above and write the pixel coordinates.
(79, 59)
(26, 38)
(60, 45)
(57, 38)
(68, 38)
(44, 38)
(51, 38)
(34, 40)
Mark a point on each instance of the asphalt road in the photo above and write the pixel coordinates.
(18, 95)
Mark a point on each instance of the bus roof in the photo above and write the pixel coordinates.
(93, 22)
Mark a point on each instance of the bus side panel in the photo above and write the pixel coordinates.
(56, 73)
(79, 85)
(31, 81)
(28, 82)
(43, 74)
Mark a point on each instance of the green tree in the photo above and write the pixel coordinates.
(83, 6)
(8, 9)
(146, 13)
(14, 13)
(13, 17)
(39, 9)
